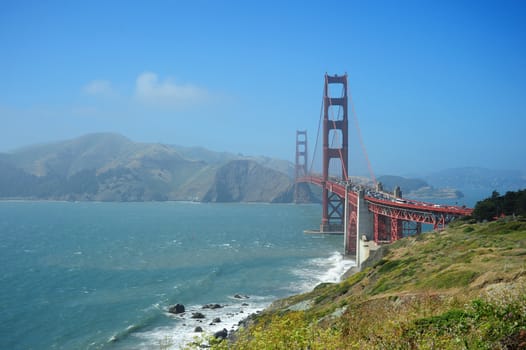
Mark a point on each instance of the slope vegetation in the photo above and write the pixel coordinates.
(462, 288)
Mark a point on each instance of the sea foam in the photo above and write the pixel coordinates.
(183, 332)
(321, 270)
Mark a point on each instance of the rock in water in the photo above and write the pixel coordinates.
(197, 315)
(216, 320)
(176, 309)
(221, 334)
(198, 329)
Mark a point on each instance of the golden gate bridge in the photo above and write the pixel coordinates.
(359, 211)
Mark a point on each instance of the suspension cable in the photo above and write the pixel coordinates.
(364, 150)
(317, 136)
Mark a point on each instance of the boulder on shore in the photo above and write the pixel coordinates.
(176, 309)
(223, 334)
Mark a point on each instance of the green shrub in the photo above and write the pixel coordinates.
(468, 229)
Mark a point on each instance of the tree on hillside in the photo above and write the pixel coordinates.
(512, 203)
(485, 210)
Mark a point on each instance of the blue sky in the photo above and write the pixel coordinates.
(436, 84)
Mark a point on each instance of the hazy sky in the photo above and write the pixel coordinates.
(435, 84)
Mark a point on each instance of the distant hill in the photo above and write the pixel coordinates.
(111, 167)
(211, 157)
(473, 178)
(407, 185)
(248, 181)
(417, 188)
(66, 158)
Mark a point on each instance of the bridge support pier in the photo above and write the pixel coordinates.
(352, 228)
(396, 229)
(365, 218)
(363, 225)
(334, 207)
(411, 228)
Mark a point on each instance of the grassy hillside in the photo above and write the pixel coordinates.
(248, 181)
(462, 288)
(66, 158)
(211, 157)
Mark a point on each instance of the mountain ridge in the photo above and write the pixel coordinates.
(111, 167)
(479, 178)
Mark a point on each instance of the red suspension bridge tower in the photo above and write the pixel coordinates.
(335, 125)
(301, 160)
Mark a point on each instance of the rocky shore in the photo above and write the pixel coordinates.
(220, 321)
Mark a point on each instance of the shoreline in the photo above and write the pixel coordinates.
(234, 312)
(210, 319)
(246, 319)
(45, 200)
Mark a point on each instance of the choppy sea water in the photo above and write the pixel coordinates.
(102, 275)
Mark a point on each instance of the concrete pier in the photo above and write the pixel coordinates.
(365, 219)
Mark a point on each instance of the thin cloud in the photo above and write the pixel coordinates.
(149, 89)
(98, 88)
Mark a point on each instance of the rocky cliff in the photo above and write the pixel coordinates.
(247, 181)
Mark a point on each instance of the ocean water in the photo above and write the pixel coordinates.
(102, 275)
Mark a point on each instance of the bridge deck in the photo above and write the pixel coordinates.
(385, 199)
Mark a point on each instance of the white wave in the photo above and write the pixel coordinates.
(321, 270)
(339, 265)
(184, 331)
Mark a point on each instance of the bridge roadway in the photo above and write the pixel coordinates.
(387, 205)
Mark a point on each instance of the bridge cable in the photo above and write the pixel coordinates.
(317, 136)
(364, 150)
